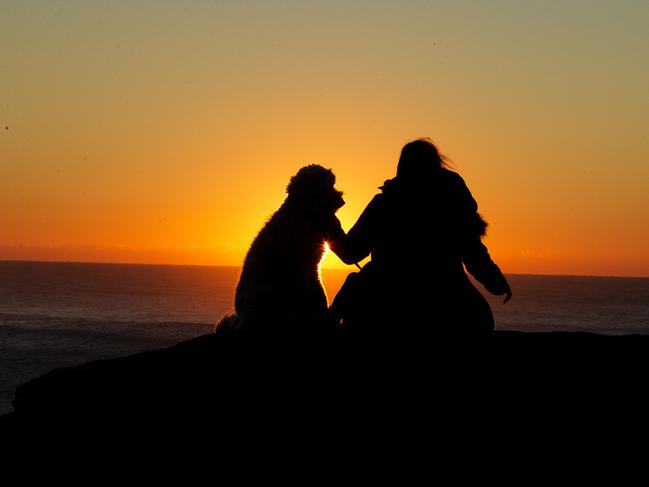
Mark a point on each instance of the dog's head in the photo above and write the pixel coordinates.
(313, 185)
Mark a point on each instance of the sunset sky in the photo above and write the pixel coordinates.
(166, 131)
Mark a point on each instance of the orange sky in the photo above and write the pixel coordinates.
(166, 132)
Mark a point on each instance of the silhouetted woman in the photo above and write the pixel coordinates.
(421, 230)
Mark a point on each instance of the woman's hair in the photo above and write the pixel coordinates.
(420, 159)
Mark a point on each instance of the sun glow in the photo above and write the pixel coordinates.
(325, 251)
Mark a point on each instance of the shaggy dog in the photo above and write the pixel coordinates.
(279, 289)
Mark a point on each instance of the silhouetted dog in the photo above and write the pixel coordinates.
(279, 289)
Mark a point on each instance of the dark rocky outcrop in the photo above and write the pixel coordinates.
(229, 403)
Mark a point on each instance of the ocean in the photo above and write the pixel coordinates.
(62, 314)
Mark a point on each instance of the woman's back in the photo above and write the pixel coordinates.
(422, 227)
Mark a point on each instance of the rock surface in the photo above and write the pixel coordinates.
(230, 403)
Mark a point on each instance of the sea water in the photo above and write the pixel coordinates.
(62, 314)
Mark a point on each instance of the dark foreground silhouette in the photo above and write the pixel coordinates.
(232, 404)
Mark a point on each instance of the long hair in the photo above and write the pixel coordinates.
(420, 160)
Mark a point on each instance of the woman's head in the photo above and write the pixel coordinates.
(419, 160)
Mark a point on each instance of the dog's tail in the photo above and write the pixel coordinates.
(228, 323)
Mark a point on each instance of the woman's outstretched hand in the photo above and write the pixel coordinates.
(508, 294)
(499, 286)
(503, 288)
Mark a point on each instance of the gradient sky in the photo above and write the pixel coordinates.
(166, 131)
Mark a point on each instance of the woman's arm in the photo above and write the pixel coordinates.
(357, 244)
(478, 262)
(475, 255)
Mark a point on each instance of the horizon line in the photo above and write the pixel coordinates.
(351, 268)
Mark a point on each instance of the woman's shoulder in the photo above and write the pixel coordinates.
(454, 184)
(377, 201)
(452, 177)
